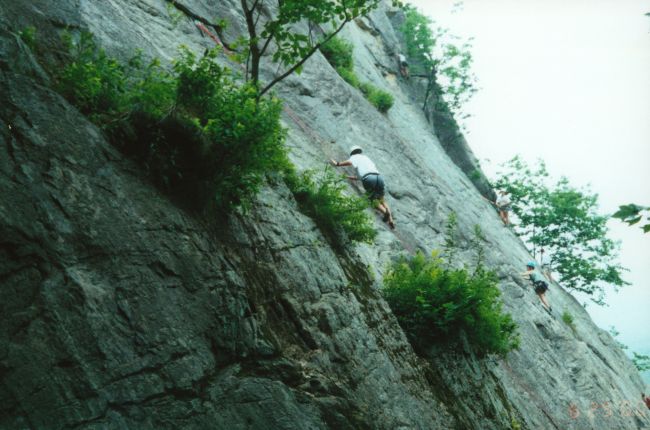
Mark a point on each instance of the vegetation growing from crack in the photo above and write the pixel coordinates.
(568, 320)
(28, 36)
(201, 135)
(322, 196)
(338, 53)
(436, 303)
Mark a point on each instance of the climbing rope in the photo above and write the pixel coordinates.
(212, 36)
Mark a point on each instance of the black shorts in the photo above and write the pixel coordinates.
(374, 186)
(540, 287)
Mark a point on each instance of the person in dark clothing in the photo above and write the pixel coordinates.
(538, 282)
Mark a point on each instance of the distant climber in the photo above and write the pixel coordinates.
(372, 181)
(646, 400)
(503, 206)
(403, 65)
(538, 283)
(545, 264)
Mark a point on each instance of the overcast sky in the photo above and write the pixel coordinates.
(568, 81)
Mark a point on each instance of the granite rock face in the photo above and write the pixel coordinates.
(120, 310)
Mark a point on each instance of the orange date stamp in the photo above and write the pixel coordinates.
(624, 408)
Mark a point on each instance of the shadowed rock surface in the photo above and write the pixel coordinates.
(120, 310)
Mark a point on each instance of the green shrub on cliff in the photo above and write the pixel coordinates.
(201, 136)
(568, 320)
(28, 36)
(349, 76)
(322, 197)
(338, 53)
(435, 304)
(245, 140)
(380, 99)
(91, 80)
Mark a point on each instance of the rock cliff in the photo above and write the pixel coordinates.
(120, 310)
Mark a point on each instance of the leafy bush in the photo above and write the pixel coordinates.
(381, 100)
(322, 197)
(349, 76)
(28, 35)
(200, 135)
(436, 304)
(338, 53)
(366, 88)
(245, 139)
(92, 81)
(568, 320)
(152, 89)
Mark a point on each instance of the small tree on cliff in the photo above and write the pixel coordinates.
(563, 220)
(294, 48)
(446, 65)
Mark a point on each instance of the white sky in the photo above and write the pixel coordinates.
(568, 81)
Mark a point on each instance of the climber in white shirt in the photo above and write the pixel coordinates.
(372, 181)
(403, 65)
(503, 206)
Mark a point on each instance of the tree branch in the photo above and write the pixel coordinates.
(185, 10)
(305, 58)
(253, 51)
(267, 43)
(259, 12)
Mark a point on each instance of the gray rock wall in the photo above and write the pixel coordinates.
(120, 310)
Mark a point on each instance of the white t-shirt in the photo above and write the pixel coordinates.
(503, 200)
(546, 260)
(363, 165)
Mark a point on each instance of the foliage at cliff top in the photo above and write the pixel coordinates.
(200, 135)
(321, 19)
(565, 222)
(436, 54)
